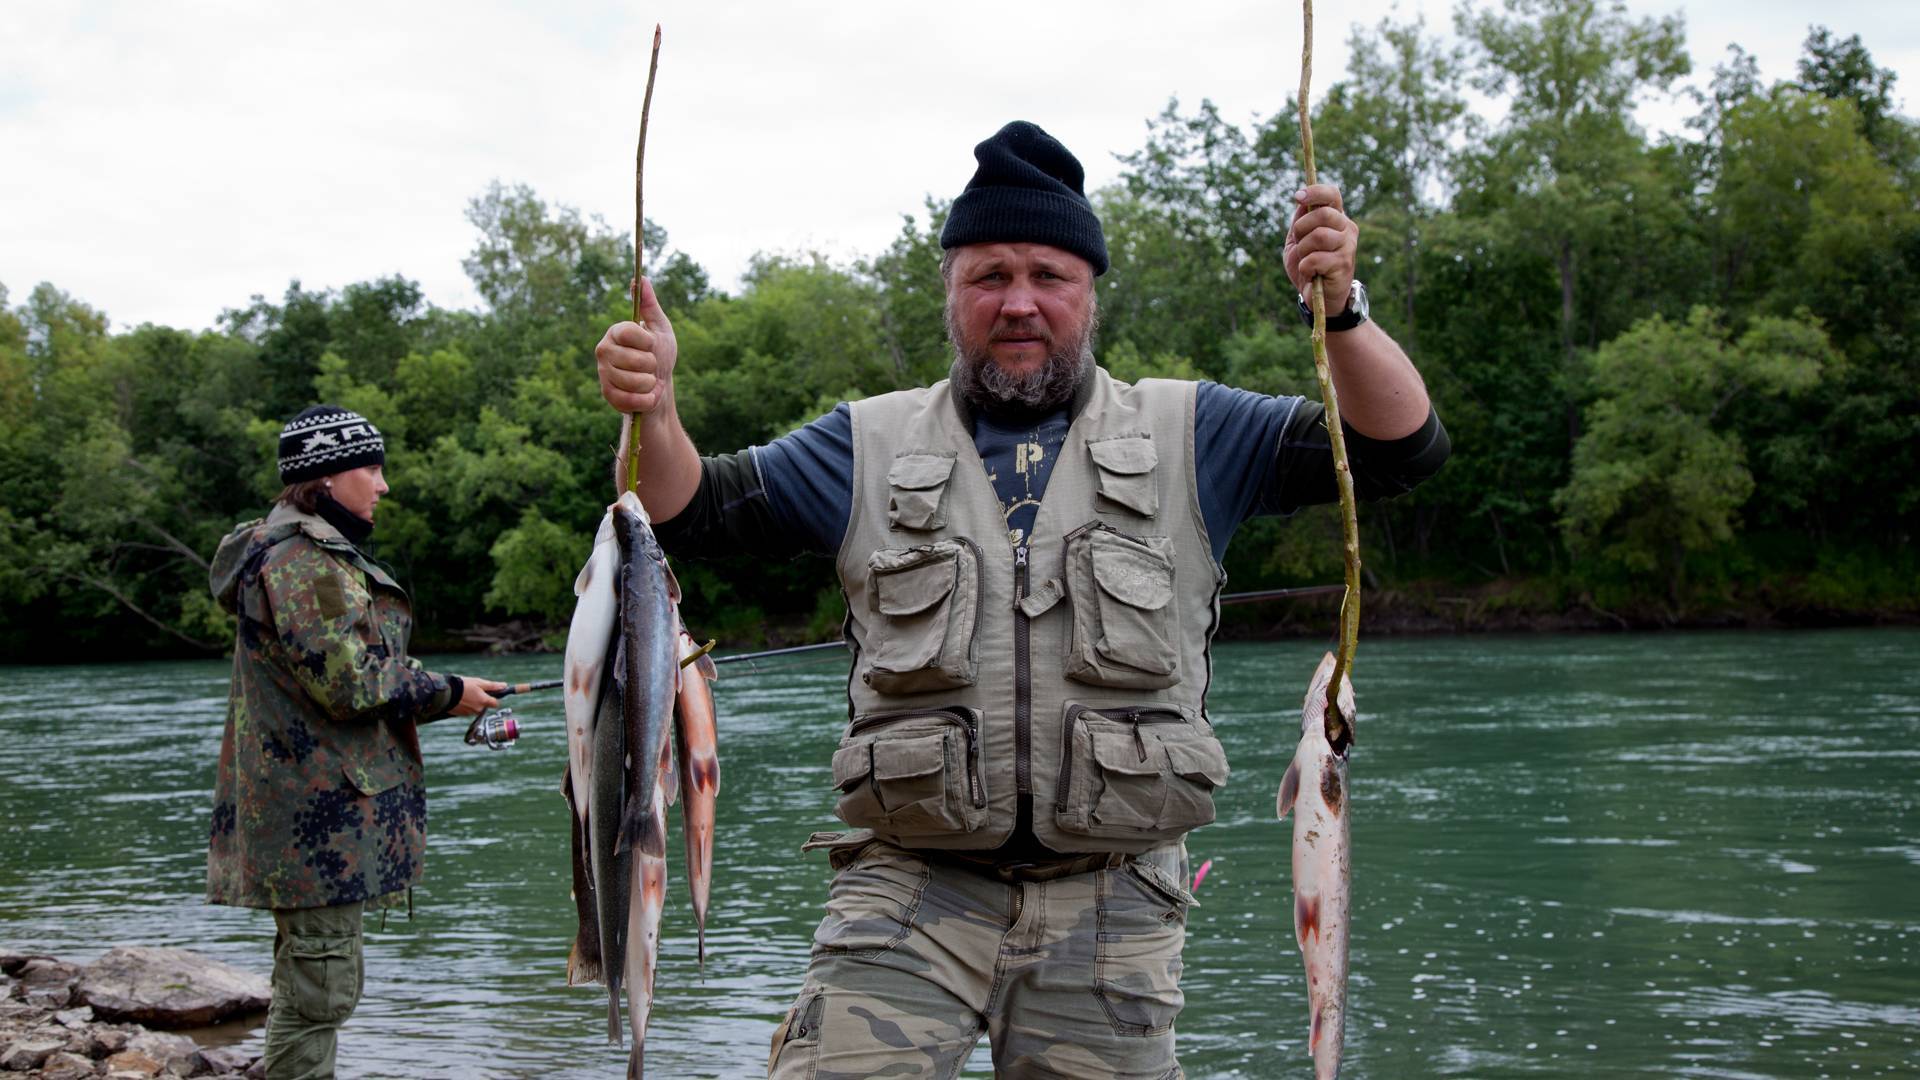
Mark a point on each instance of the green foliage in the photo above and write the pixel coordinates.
(1669, 368)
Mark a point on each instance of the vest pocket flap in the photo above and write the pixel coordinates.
(1200, 760)
(915, 588)
(917, 472)
(904, 759)
(851, 765)
(1134, 575)
(1129, 456)
(1118, 752)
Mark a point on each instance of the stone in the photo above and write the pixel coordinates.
(170, 988)
(107, 1041)
(28, 1053)
(44, 981)
(19, 1010)
(222, 1059)
(135, 1062)
(175, 1053)
(74, 1018)
(64, 1066)
(11, 963)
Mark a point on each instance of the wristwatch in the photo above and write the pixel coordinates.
(1355, 314)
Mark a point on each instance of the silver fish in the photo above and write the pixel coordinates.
(1316, 787)
(584, 682)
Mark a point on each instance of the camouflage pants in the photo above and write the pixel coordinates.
(1075, 976)
(319, 966)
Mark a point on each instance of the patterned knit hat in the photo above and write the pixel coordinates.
(1028, 188)
(326, 439)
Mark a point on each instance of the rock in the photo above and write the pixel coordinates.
(106, 1042)
(134, 1062)
(65, 1066)
(11, 963)
(28, 1053)
(174, 1052)
(19, 1010)
(222, 1059)
(45, 981)
(170, 988)
(74, 1018)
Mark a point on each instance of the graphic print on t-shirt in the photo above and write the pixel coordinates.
(1018, 461)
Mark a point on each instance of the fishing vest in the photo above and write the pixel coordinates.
(1073, 670)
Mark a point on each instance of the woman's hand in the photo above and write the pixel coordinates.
(476, 696)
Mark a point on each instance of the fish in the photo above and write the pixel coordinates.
(646, 684)
(583, 682)
(1315, 790)
(611, 867)
(649, 890)
(696, 745)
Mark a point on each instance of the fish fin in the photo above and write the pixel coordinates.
(636, 1061)
(703, 946)
(705, 665)
(1289, 788)
(643, 830)
(581, 970)
(673, 583)
(613, 1010)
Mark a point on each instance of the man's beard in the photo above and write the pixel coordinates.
(985, 385)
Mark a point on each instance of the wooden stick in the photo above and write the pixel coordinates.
(1339, 731)
(640, 244)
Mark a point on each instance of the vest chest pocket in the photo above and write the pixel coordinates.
(925, 601)
(916, 485)
(912, 771)
(1123, 612)
(1126, 773)
(1124, 468)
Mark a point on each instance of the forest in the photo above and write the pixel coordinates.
(1680, 372)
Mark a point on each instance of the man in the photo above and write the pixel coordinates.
(1030, 556)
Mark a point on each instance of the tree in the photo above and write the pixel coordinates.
(1659, 473)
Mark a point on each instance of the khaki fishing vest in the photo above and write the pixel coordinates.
(1074, 670)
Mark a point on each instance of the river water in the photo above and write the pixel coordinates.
(1642, 855)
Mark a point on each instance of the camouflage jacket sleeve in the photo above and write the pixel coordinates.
(344, 643)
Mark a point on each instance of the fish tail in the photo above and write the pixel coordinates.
(580, 969)
(613, 1008)
(636, 1061)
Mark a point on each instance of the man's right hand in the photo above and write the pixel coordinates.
(476, 696)
(636, 359)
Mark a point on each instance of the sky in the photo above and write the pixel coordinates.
(164, 161)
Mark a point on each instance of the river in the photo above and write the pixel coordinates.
(1685, 854)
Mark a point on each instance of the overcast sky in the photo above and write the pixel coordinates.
(164, 160)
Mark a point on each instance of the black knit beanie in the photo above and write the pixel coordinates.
(326, 439)
(1028, 189)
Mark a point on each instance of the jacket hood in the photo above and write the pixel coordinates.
(237, 548)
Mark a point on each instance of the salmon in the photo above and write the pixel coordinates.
(696, 741)
(583, 683)
(1315, 790)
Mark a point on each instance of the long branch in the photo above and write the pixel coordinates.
(1349, 638)
(639, 246)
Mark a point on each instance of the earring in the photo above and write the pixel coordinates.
(329, 484)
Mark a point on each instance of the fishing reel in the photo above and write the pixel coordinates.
(495, 730)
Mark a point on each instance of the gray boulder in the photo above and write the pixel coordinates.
(169, 988)
(41, 980)
(28, 1053)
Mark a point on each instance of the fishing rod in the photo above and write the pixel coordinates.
(1230, 598)
(497, 729)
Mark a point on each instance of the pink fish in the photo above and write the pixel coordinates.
(1316, 787)
(697, 740)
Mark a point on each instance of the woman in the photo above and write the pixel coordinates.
(319, 805)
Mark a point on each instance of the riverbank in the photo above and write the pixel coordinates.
(64, 1021)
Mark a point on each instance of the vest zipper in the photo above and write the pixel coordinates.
(1022, 681)
(1135, 716)
(968, 718)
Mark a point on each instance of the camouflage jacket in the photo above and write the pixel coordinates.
(320, 795)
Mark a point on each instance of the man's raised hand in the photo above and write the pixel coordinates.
(636, 359)
(1324, 242)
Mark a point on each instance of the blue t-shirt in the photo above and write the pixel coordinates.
(1237, 436)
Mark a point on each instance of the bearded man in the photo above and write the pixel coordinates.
(1030, 552)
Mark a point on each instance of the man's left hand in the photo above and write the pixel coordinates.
(1324, 242)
